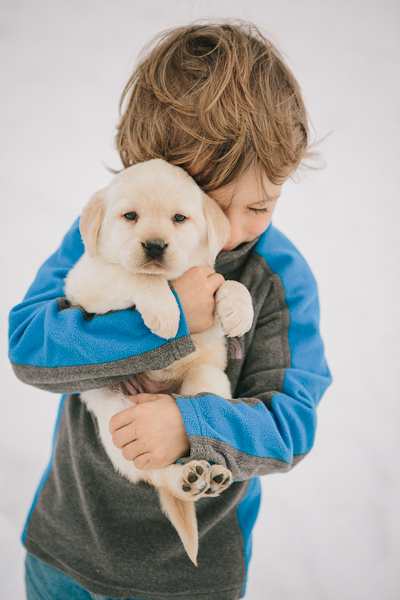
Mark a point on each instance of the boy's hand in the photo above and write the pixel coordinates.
(151, 433)
(196, 289)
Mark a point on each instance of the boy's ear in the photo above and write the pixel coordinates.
(91, 220)
(218, 227)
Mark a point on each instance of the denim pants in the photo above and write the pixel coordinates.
(46, 583)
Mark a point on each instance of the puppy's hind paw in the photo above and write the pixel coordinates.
(198, 479)
(195, 478)
(220, 480)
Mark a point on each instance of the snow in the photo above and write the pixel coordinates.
(330, 528)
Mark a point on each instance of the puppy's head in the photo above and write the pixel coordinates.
(153, 218)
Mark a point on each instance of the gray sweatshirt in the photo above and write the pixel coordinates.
(109, 534)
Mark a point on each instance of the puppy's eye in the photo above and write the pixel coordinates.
(131, 216)
(179, 218)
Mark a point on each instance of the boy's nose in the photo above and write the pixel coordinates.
(154, 248)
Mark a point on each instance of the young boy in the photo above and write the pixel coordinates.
(219, 101)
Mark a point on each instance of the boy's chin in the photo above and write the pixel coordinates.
(236, 247)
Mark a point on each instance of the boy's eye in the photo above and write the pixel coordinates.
(131, 216)
(259, 211)
(179, 218)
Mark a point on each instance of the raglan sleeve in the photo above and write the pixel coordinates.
(270, 425)
(58, 347)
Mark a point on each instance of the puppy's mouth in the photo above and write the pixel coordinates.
(151, 266)
(155, 266)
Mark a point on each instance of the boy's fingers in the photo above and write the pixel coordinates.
(194, 274)
(121, 419)
(142, 461)
(207, 270)
(132, 450)
(126, 417)
(124, 436)
(215, 281)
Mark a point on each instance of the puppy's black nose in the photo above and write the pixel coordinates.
(154, 248)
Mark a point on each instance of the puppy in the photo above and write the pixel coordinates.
(147, 227)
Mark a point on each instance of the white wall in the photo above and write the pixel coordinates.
(330, 528)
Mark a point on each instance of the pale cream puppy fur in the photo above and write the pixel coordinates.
(150, 225)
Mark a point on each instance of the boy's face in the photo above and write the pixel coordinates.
(248, 206)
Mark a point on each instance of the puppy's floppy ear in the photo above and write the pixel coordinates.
(218, 227)
(91, 220)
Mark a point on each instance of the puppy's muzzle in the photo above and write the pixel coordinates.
(154, 248)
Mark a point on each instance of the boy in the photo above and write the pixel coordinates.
(219, 101)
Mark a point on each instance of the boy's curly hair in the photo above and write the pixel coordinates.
(214, 99)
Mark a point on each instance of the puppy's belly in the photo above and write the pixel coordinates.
(141, 383)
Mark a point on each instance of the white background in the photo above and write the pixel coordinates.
(330, 529)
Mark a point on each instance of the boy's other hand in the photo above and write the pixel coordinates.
(196, 289)
(151, 432)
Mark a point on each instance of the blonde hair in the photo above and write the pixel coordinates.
(214, 99)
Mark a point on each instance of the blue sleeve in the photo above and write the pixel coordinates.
(61, 348)
(271, 423)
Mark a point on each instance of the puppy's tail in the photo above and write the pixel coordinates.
(182, 515)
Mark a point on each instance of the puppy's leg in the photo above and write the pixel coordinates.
(157, 305)
(100, 287)
(206, 378)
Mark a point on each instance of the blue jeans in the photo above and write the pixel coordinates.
(46, 583)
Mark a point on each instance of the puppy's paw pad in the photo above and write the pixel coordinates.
(196, 477)
(220, 480)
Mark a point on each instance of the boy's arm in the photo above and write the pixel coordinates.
(271, 423)
(60, 348)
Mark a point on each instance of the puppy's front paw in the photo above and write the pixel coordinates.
(162, 320)
(234, 308)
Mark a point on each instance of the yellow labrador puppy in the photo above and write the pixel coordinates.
(147, 227)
